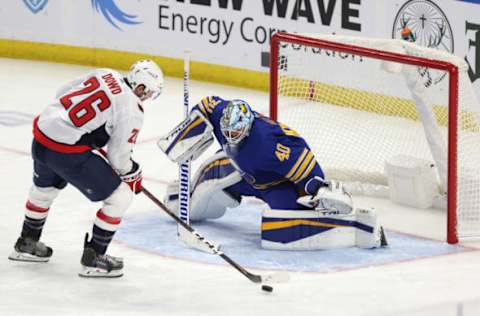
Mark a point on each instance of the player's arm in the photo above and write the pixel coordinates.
(297, 163)
(294, 161)
(210, 107)
(304, 171)
(74, 83)
(69, 86)
(123, 132)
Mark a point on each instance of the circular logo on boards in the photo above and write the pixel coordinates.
(424, 22)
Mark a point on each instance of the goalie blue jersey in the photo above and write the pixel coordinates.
(272, 156)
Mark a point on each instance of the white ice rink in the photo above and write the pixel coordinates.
(158, 282)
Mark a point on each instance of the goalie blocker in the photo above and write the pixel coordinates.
(189, 139)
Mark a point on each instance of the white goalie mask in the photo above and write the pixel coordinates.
(236, 122)
(147, 73)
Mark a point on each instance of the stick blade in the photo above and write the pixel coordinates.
(196, 241)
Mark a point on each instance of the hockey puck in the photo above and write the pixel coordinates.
(267, 288)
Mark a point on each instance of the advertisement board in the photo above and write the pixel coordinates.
(236, 33)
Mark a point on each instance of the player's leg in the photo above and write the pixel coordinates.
(242, 188)
(45, 188)
(288, 225)
(95, 261)
(282, 197)
(96, 179)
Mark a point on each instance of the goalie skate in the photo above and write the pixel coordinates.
(29, 250)
(383, 238)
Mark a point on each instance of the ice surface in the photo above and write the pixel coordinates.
(418, 275)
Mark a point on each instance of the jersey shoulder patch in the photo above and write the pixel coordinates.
(207, 105)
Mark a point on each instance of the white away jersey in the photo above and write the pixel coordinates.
(95, 110)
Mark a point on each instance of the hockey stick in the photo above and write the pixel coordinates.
(184, 168)
(196, 237)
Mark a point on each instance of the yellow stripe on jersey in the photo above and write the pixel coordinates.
(219, 162)
(206, 104)
(209, 104)
(303, 166)
(295, 222)
(202, 109)
(287, 130)
(262, 186)
(297, 163)
(308, 170)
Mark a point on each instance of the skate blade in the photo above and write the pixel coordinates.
(89, 272)
(383, 238)
(26, 257)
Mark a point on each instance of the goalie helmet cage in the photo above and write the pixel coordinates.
(359, 101)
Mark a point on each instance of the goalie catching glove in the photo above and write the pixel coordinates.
(189, 139)
(330, 196)
(134, 177)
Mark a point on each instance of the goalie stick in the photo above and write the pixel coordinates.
(279, 277)
(184, 168)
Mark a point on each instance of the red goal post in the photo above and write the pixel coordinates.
(303, 71)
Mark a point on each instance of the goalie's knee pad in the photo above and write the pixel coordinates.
(114, 207)
(208, 198)
(210, 201)
(206, 202)
(39, 201)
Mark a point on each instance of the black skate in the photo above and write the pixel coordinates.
(29, 250)
(383, 238)
(99, 266)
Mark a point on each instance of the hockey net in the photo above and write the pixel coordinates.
(359, 101)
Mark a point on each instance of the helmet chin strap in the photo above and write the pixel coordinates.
(232, 148)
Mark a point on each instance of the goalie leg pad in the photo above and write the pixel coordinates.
(319, 230)
(208, 199)
(307, 230)
(370, 234)
(210, 202)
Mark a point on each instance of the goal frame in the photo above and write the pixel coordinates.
(453, 86)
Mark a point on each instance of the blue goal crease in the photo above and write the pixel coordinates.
(238, 232)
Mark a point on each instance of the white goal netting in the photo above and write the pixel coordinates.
(356, 112)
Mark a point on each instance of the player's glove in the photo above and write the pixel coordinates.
(134, 177)
(331, 197)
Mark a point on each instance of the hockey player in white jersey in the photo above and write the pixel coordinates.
(100, 109)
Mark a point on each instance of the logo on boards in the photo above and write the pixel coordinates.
(424, 22)
(35, 5)
(113, 14)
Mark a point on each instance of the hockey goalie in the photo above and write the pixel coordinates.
(267, 160)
